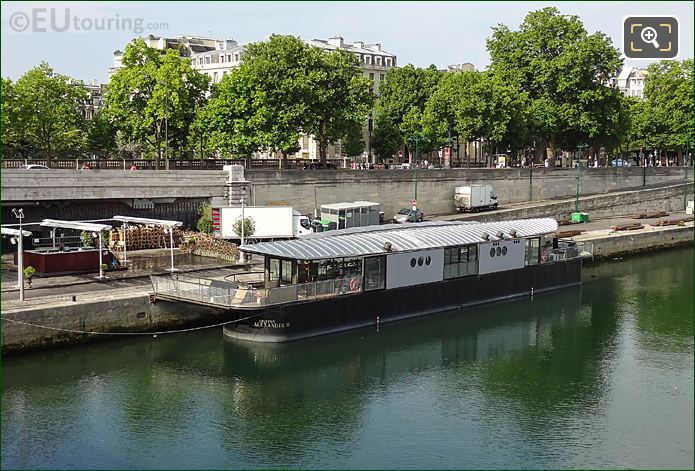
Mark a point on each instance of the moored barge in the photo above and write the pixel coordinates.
(346, 279)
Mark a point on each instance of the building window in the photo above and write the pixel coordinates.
(371, 75)
(236, 57)
(377, 60)
(381, 77)
(460, 261)
(305, 142)
(214, 77)
(388, 61)
(368, 59)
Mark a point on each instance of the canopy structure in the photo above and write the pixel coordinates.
(374, 240)
(80, 226)
(14, 232)
(168, 227)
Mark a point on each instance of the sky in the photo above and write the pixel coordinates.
(420, 33)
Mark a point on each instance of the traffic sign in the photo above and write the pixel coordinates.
(414, 202)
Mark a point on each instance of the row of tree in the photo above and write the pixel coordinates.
(548, 86)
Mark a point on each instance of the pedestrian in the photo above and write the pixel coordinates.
(133, 167)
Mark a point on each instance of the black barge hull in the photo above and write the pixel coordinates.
(293, 321)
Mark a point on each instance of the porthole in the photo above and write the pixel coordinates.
(412, 262)
(499, 251)
(492, 252)
(504, 250)
(428, 260)
(420, 261)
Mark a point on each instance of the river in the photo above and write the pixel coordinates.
(599, 376)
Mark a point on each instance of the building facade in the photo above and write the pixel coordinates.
(630, 81)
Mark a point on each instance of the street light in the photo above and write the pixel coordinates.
(241, 254)
(416, 138)
(19, 214)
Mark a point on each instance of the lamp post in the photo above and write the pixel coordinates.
(370, 126)
(581, 147)
(416, 138)
(19, 214)
(241, 254)
(166, 125)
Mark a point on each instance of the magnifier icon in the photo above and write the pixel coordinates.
(648, 35)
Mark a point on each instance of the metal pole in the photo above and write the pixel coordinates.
(576, 201)
(125, 251)
(166, 124)
(20, 262)
(101, 270)
(241, 255)
(171, 247)
(417, 158)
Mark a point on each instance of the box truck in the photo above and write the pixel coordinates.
(474, 198)
(347, 215)
(270, 222)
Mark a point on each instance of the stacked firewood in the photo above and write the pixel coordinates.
(143, 237)
(208, 246)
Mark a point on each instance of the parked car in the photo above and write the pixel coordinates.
(620, 163)
(34, 167)
(320, 165)
(408, 215)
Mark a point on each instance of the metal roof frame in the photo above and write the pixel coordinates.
(14, 232)
(80, 226)
(372, 240)
(156, 222)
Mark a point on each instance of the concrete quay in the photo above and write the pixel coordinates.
(55, 320)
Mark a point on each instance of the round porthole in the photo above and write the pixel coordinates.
(492, 252)
(413, 262)
(504, 250)
(420, 261)
(499, 251)
(428, 260)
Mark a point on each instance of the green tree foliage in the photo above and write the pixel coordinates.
(664, 119)
(249, 227)
(386, 138)
(101, 136)
(402, 97)
(353, 142)
(205, 220)
(43, 112)
(565, 72)
(282, 89)
(154, 91)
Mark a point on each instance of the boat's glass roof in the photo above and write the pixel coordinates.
(372, 240)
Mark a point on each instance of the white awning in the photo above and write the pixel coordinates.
(154, 222)
(14, 232)
(80, 226)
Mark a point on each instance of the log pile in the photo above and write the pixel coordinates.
(143, 237)
(208, 246)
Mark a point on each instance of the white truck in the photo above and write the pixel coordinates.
(271, 222)
(474, 198)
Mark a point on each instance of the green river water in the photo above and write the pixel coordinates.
(599, 376)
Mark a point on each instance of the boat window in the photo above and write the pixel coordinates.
(460, 261)
(532, 249)
(273, 273)
(286, 272)
(374, 273)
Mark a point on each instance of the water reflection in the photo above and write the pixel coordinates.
(524, 383)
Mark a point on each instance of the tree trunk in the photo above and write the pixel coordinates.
(680, 156)
(323, 145)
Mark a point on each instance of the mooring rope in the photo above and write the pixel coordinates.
(162, 332)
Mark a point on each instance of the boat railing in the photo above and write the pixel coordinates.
(567, 250)
(232, 294)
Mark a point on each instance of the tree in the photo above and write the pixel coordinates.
(386, 139)
(665, 117)
(205, 221)
(46, 111)
(101, 136)
(339, 96)
(564, 70)
(404, 93)
(353, 142)
(249, 227)
(153, 95)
